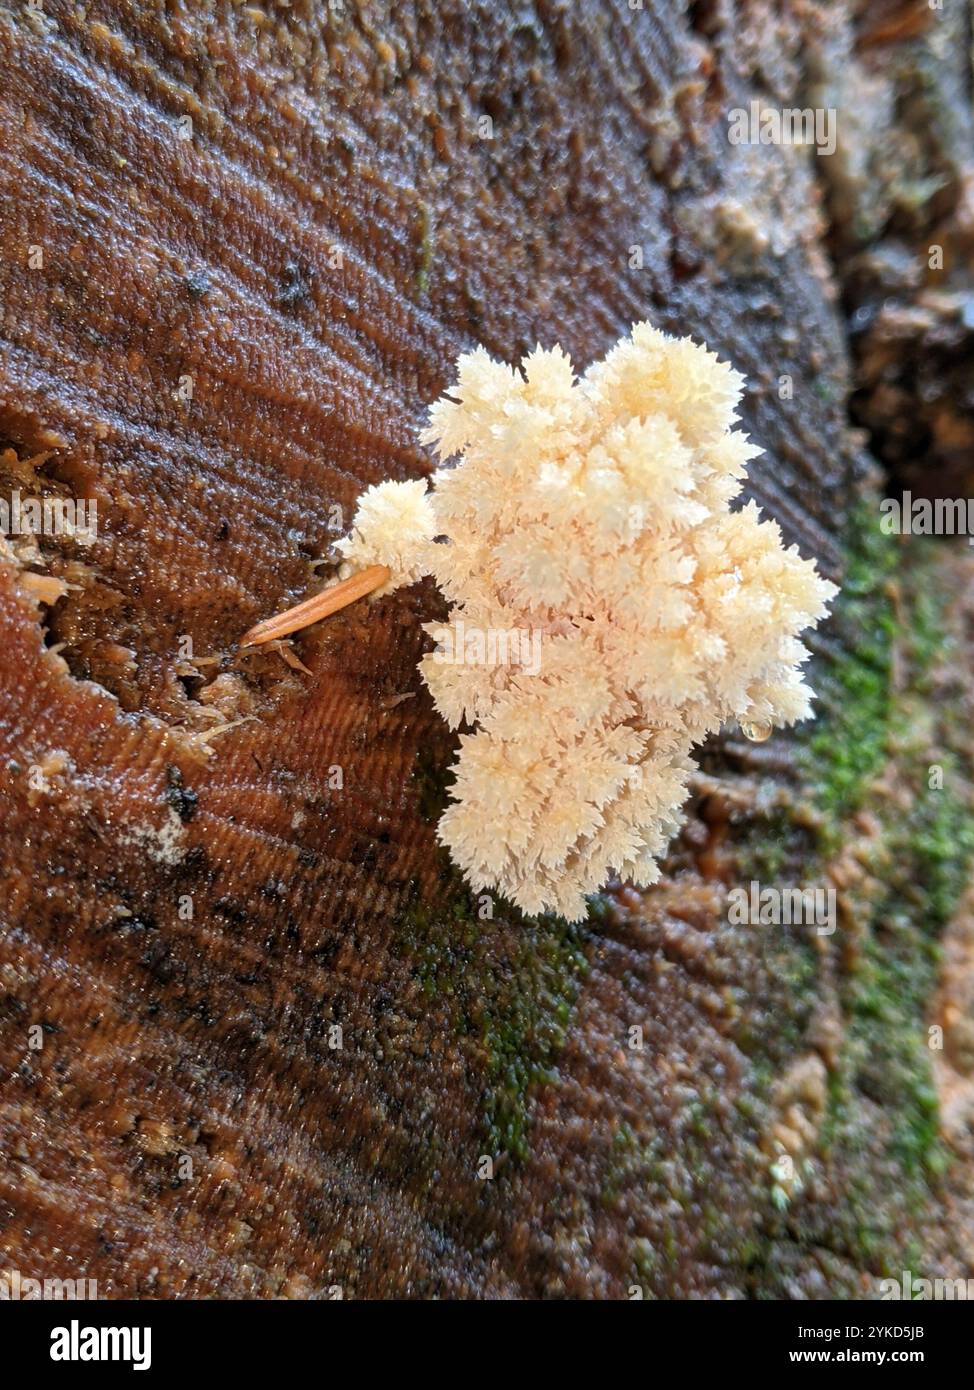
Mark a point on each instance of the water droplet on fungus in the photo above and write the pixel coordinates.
(757, 730)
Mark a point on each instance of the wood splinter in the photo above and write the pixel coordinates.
(319, 606)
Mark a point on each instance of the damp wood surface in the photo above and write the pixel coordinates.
(240, 251)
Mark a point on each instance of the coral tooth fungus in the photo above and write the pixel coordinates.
(613, 610)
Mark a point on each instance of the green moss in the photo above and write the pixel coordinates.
(913, 194)
(427, 246)
(764, 856)
(624, 1146)
(922, 862)
(848, 743)
(682, 1169)
(880, 712)
(941, 838)
(524, 1027)
(927, 855)
(511, 987)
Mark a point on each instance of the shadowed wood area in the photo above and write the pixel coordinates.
(255, 1038)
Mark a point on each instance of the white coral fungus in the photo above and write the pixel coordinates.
(592, 516)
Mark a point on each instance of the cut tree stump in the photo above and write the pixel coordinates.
(256, 1038)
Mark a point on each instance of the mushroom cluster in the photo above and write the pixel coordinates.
(608, 609)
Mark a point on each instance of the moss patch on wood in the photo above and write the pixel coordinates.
(848, 742)
(511, 986)
(889, 772)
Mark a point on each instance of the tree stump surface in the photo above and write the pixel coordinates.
(256, 1039)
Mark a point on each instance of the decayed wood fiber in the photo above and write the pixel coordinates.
(313, 258)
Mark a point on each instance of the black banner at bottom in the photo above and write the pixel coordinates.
(177, 1339)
